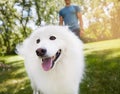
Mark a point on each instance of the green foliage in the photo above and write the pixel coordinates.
(103, 19)
(7, 14)
(10, 33)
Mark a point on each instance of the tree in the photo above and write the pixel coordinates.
(115, 20)
(103, 19)
(13, 25)
(7, 26)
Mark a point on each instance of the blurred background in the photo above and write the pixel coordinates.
(19, 17)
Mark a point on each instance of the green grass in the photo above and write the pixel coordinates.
(102, 74)
(13, 80)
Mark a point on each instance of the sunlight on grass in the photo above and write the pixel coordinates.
(115, 54)
(14, 81)
(103, 45)
(13, 84)
(17, 72)
(9, 59)
(13, 58)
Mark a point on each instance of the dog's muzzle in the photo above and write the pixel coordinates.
(47, 61)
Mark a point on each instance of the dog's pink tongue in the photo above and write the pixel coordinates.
(47, 64)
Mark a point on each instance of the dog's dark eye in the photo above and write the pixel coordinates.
(38, 41)
(52, 38)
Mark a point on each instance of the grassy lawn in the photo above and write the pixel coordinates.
(13, 78)
(102, 74)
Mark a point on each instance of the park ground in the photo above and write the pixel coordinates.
(102, 73)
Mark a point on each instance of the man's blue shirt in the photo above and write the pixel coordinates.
(69, 15)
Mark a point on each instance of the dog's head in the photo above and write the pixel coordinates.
(48, 44)
(49, 48)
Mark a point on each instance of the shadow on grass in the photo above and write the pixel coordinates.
(14, 80)
(102, 75)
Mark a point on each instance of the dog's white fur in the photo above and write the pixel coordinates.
(67, 73)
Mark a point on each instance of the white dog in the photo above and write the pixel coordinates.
(54, 60)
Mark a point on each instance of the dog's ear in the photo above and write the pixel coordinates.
(17, 49)
(21, 48)
(43, 23)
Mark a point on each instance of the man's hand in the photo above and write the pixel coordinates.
(81, 32)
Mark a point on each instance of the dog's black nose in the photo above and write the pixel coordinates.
(41, 52)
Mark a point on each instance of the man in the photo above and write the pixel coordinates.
(71, 15)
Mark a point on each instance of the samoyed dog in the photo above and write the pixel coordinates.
(54, 60)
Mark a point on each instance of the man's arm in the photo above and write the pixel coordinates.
(79, 15)
(60, 20)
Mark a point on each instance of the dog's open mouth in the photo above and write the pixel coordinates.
(49, 62)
